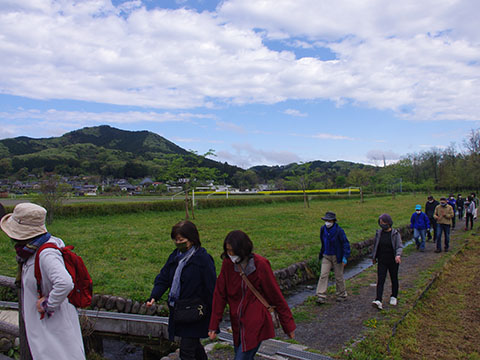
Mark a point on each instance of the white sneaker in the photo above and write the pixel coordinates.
(393, 301)
(377, 304)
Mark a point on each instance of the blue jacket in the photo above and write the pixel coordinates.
(197, 281)
(419, 221)
(452, 203)
(342, 246)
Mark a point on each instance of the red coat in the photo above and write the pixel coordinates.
(250, 320)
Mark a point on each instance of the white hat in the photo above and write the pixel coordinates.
(26, 222)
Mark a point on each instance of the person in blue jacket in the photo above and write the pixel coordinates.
(334, 254)
(420, 223)
(190, 274)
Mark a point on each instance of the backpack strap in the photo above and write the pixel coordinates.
(38, 273)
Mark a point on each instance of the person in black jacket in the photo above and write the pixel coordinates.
(190, 274)
(430, 206)
(460, 206)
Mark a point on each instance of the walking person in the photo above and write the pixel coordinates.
(51, 322)
(387, 252)
(251, 322)
(430, 206)
(460, 206)
(420, 224)
(453, 203)
(334, 254)
(469, 212)
(443, 214)
(190, 274)
(475, 199)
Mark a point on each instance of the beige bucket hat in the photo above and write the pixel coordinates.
(26, 222)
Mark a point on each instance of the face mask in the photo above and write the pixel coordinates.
(235, 258)
(418, 211)
(385, 226)
(328, 224)
(443, 204)
(182, 247)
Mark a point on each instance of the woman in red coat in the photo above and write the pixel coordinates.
(250, 319)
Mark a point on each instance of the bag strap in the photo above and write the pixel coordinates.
(38, 273)
(256, 293)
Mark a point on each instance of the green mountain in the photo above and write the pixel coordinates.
(111, 152)
(100, 150)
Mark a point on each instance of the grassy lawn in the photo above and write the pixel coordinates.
(125, 252)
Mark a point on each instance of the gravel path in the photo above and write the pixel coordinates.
(334, 325)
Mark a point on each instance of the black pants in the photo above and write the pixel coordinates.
(192, 349)
(467, 218)
(382, 268)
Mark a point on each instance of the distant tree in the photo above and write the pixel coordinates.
(187, 169)
(52, 194)
(245, 179)
(340, 181)
(302, 177)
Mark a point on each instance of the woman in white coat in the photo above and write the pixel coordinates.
(51, 323)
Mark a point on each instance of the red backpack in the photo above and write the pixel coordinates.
(81, 294)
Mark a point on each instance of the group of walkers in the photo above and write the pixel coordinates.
(440, 216)
(335, 251)
(387, 246)
(197, 298)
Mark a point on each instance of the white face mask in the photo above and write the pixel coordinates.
(234, 258)
(328, 224)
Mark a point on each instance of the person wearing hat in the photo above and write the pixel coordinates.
(51, 322)
(420, 224)
(387, 252)
(430, 206)
(334, 254)
(443, 214)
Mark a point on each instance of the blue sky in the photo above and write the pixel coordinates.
(261, 82)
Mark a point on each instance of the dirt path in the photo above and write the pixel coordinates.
(331, 326)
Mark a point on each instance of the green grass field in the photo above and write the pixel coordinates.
(124, 253)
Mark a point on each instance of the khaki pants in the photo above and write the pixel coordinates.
(329, 262)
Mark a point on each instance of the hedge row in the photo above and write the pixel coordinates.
(95, 209)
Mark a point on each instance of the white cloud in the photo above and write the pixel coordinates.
(231, 127)
(419, 59)
(245, 156)
(55, 122)
(294, 112)
(382, 157)
(324, 136)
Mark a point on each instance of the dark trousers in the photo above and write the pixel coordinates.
(382, 268)
(192, 349)
(469, 217)
(433, 225)
(460, 213)
(443, 228)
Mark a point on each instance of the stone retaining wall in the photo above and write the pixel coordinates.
(287, 279)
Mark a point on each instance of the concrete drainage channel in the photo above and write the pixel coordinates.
(143, 325)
